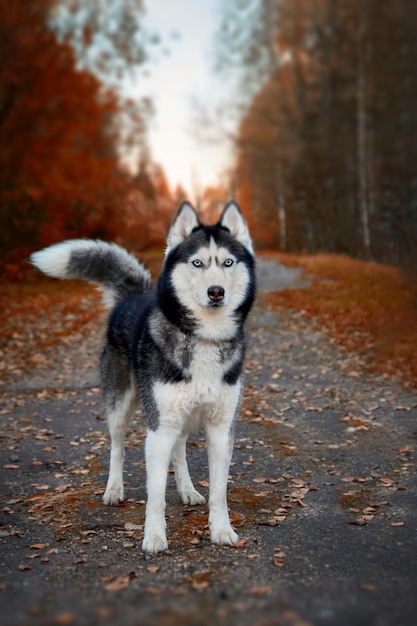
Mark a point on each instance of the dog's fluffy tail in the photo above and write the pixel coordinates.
(115, 271)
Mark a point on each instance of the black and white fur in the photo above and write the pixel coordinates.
(180, 347)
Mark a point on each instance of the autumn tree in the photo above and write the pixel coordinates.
(60, 138)
(108, 36)
(149, 208)
(326, 147)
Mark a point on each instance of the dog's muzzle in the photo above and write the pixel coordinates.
(215, 294)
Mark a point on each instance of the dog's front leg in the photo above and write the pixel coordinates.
(158, 450)
(219, 448)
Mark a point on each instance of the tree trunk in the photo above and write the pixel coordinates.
(363, 191)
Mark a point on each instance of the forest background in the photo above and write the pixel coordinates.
(325, 146)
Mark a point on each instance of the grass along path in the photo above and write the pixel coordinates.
(367, 307)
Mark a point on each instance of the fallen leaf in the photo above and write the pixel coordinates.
(199, 585)
(405, 450)
(105, 612)
(387, 482)
(358, 521)
(259, 591)
(279, 558)
(62, 619)
(131, 526)
(297, 482)
(155, 591)
(241, 543)
(262, 494)
(122, 582)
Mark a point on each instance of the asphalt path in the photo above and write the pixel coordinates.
(322, 493)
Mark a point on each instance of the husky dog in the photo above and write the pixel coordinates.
(179, 346)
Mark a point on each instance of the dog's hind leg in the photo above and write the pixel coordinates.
(119, 397)
(185, 487)
(118, 419)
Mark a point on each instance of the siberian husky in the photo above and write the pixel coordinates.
(179, 346)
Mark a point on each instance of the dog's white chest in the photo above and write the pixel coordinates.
(206, 375)
(203, 397)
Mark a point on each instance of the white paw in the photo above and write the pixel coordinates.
(153, 542)
(224, 536)
(192, 496)
(114, 494)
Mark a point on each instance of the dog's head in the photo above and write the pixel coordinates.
(186, 221)
(210, 268)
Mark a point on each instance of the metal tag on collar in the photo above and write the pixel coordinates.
(186, 353)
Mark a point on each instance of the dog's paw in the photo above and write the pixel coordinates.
(113, 495)
(224, 536)
(153, 543)
(192, 497)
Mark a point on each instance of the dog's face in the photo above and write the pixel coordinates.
(212, 277)
(211, 272)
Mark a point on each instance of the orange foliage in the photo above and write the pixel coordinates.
(59, 168)
(367, 307)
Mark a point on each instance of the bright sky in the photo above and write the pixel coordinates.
(174, 79)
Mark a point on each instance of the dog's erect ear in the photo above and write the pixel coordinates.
(233, 220)
(185, 222)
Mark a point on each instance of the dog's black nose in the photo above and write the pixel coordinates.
(215, 293)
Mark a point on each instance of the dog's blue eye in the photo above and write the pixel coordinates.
(197, 263)
(228, 262)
